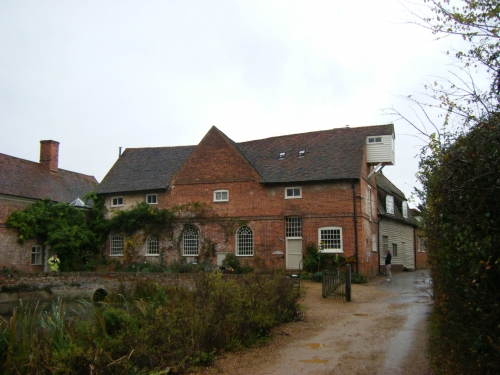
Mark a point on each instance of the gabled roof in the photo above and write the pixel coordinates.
(386, 185)
(389, 188)
(27, 179)
(334, 154)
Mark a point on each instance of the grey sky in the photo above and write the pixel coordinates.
(97, 75)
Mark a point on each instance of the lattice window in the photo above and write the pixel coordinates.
(330, 239)
(152, 246)
(36, 255)
(116, 244)
(244, 242)
(293, 227)
(190, 242)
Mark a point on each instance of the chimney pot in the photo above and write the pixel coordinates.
(49, 155)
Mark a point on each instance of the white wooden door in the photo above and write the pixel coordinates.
(293, 254)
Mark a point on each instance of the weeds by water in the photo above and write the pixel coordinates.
(147, 328)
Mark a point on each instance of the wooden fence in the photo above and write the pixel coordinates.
(337, 284)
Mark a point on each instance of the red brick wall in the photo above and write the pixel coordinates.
(216, 165)
(14, 255)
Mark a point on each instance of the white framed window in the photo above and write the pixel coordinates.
(395, 249)
(116, 201)
(385, 244)
(152, 246)
(36, 255)
(293, 192)
(293, 227)
(374, 242)
(374, 140)
(116, 245)
(369, 201)
(330, 239)
(221, 195)
(404, 209)
(190, 242)
(389, 204)
(244, 241)
(151, 198)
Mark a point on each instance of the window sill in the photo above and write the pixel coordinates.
(151, 255)
(332, 251)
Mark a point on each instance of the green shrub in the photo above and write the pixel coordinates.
(358, 279)
(164, 327)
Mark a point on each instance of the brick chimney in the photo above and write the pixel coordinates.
(49, 155)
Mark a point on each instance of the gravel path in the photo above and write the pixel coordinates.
(382, 331)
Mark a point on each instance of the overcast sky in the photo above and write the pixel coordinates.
(99, 75)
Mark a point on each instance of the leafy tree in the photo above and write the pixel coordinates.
(61, 226)
(459, 173)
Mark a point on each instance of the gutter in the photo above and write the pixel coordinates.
(355, 224)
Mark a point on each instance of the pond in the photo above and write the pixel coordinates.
(71, 307)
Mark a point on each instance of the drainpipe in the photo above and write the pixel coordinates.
(355, 224)
(380, 250)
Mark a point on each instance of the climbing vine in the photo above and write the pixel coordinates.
(64, 228)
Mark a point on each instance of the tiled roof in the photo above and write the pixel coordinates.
(23, 178)
(144, 169)
(386, 185)
(330, 155)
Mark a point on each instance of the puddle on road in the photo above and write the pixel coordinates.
(361, 314)
(314, 345)
(314, 360)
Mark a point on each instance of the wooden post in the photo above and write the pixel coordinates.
(348, 283)
(323, 289)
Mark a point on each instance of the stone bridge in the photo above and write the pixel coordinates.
(76, 285)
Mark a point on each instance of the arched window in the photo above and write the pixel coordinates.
(116, 244)
(244, 241)
(152, 246)
(190, 242)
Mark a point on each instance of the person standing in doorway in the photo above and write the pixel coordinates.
(388, 259)
(54, 263)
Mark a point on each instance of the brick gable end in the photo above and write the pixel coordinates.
(215, 159)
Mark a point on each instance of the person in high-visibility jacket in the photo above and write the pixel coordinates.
(54, 263)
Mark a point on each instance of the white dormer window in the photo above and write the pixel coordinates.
(293, 192)
(374, 140)
(151, 199)
(221, 195)
(282, 155)
(389, 204)
(302, 153)
(404, 209)
(116, 201)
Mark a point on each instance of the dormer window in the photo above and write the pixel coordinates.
(374, 139)
(302, 153)
(404, 209)
(221, 195)
(389, 204)
(282, 155)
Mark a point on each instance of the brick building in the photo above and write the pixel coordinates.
(268, 198)
(22, 183)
